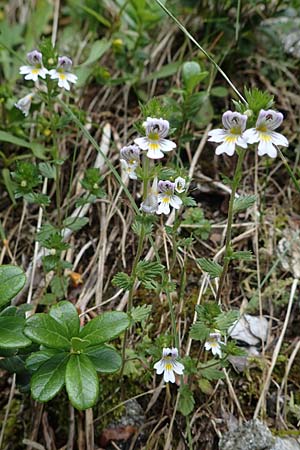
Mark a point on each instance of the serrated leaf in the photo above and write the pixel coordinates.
(241, 255)
(140, 313)
(243, 202)
(212, 268)
(45, 330)
(146, 270)
(81, 382)
(66, 314)
(225, 320)
(186, 400)
(75, 223)
(105, 327)
(122, 280)
(105, 359)
(49, 378)
(199, 331)
(11, 332)
(211, 373)
(12, 280)
(47, 170)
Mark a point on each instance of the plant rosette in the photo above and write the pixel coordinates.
(71, 355)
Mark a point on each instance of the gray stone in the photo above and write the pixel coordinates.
(286, 444)
(252, 435)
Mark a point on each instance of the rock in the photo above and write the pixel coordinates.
(287, 443)
(251, 330)
(252, 435)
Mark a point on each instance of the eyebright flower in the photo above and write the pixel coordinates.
(213, 343)
(168, 365)
(130, 160)
(166, 197)
(179, 184)
(264, 133)
(24, 104)
(150, 204)
(155, 142)
(36, 68)
(62, 73)
(231, 135)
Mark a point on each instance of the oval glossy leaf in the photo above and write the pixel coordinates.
(66, 314)
(35, 360)
(105, 359)
(50, 378)
(43, 329)
(12, 280)
(105, 327)
(81, 382)
(11, 332)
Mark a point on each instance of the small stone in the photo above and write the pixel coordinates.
(286, 444)
(252, 435)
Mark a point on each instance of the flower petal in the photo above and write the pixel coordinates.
(251, 136)
(226, 147)
(143, 143)
(178, 367)
(279, 139)
(217, 135)
(175, 201)
(267, 148)
(163, 208)
(159, 367)
(166, 145)
(169, 376)
(155, 154)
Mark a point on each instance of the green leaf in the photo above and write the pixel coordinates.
(243, 202)
(186, 400)
(11, 332)
(66, 314)
(79, 344)
(225, 320)
(211, 372)
(37, 149)
(45, 330)
(12, 280)
(122, 280)
(81, 382)
(105, 359)
(47, 170)
(50, 378)
(199, 331)
(244, 255)
(140, 313)
(105, 327)
(97, 51)
(212, 268)
(219, 91)
(205, 386)
(13, 364)
(146, 271)
(191, 75)
(9, 184)
(39, 18)
(75, 223)
(166, 71)
(36, 359)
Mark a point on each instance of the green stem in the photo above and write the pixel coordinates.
(173, 320)
(291, 174)
(235, 183)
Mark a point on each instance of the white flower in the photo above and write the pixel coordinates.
(24, 104)
(36, 68)
(150, 204)
(130, 160)
(213, 343)
(231, 135)
(264, 133)
(155, 142)
(166, 197)
(179, 184)
(168, 365)
(62, 73)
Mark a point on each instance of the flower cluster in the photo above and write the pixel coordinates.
(36, 69)
(234, 133)
(168, 364)
(162, 194)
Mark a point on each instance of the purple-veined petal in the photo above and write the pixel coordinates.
(166, 145)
